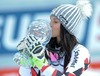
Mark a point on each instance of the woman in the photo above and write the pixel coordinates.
(64, 56)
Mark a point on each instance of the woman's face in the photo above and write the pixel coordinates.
(55, 25)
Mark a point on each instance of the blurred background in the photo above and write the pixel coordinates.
(16, 15)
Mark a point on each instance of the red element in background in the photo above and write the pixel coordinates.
(95, 65)
(14, 71)
(9, 71)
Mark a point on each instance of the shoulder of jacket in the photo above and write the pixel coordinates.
(79, 47)
(81, 50)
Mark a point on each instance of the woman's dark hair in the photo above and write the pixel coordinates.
(67, 43)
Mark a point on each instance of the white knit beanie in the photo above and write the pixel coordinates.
(71, 15)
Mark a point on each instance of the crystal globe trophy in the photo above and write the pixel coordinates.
(41, 30)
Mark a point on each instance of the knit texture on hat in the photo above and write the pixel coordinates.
(71, 15)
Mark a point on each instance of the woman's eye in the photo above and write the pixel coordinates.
(55, 21)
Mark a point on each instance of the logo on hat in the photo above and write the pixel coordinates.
(63, 20)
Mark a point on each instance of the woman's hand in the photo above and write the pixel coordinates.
(37, 50)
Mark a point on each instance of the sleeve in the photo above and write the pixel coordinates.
(79, 62)
(23, 71)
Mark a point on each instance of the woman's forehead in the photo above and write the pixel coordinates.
(53, 18)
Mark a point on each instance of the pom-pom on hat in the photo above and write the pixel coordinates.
(71, 15)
